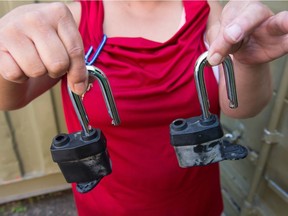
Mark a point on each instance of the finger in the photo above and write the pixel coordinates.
(50, 50)
(77, 75)
(278, 25)
(47, 43)
(233, 32)
(220, 48)
(251, 17)
(71, 38)
(10, 70)
(25, 55)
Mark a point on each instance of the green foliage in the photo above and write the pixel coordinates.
(18, 208)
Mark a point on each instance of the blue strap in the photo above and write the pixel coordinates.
(96, 53)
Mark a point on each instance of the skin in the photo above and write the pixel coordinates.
(40, 43)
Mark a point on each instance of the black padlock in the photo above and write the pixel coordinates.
(82, 156)
(198, 141)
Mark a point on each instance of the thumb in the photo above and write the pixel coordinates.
(235, 27)
(228, 40)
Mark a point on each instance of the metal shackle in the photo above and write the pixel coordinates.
(200, 83)
(107, 94)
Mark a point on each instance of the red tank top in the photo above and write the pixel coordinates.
(153, 85)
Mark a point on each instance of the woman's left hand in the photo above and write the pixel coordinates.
(250, 31)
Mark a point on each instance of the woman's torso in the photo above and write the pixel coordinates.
(152, 83)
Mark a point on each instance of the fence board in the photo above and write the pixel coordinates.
(9, 165)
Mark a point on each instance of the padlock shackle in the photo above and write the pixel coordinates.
(201, 88)
(80, 111)
(230, 82)
(107, 94)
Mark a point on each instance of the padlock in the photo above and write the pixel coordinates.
(82, 156)
(198, 141)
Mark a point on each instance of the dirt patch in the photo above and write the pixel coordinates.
(59, 203)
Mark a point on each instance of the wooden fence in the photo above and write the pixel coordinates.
(26, 167)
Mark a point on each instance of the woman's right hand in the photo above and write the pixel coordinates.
(42, 39)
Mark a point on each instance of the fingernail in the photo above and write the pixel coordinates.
(80, 88)
(234, 31)
(215, 59)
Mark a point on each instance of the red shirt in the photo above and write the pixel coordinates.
(153, 85)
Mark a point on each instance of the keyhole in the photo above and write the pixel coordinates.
(179, 124)
(61, 140)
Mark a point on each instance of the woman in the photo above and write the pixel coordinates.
(148, 58)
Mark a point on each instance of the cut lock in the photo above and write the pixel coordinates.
(82, 156)
(198, 141)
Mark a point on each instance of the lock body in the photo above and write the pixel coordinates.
(187, 135)
(194, 130)
(82, 158)
(199, 143)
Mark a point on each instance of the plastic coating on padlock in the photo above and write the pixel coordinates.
(82, 159)
(208, 153)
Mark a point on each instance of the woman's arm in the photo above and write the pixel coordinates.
(39, 43)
